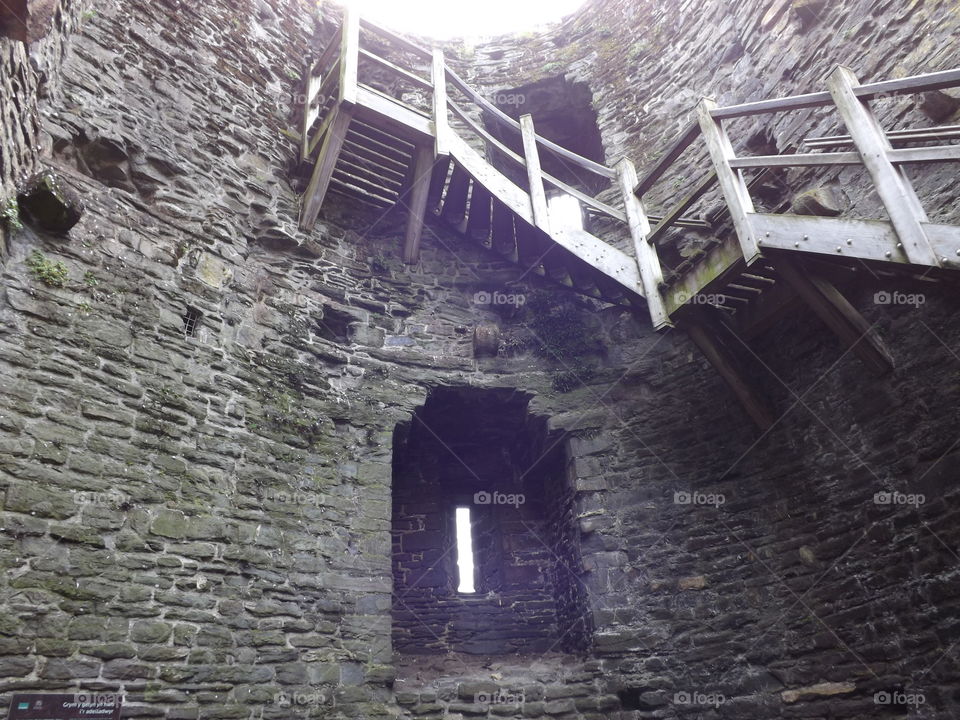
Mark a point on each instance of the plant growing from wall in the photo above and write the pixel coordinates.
(10, 212)
(51, 273)
(562, 333)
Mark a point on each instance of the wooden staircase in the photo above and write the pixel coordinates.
(411, 132)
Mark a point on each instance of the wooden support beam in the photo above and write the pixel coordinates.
(838, 314)
(901, 202)
(731, 181)
(309, 110)
(651, 273)
(417, 202)
(538, 197)
(726, 362)
(349, 56)
(323, 170)
(440, 120)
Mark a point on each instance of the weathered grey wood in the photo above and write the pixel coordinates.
(689, 134)
(651, 274)
(329, 52)
(438, 181)
(721, 261)
(321, 131)
(440, 121)
(839, 315)
(731, 182)
(538, 196)
(510, 122)
(349, 55)
(358, 168)
(382, 110)
(417, 203)
(796, 102)
(945, 240)
(396, 70)
(393, 37)
(363, 182)
(728, 366)
(323, 170)
(839, 237)
(310, 112)
(607, 259)
(914, 84)
(943, 132)
(363, 148)
(797, 160)
(944, 153)
(892, 185)
(496, 182)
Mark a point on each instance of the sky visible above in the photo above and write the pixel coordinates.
(446, 19)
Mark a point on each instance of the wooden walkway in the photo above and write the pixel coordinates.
(432, 153)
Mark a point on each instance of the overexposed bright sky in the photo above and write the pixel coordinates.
(446, 19)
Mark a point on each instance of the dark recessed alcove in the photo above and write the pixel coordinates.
(563, 113)
(476, 449)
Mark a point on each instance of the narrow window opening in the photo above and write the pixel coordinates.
(465, 551)
(190, 322)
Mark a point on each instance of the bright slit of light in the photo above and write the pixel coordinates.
(464, 551)
(565, 212)
(443, 19)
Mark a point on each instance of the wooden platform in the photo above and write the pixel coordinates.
(386, 151)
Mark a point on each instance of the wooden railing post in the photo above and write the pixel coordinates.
(538, 197)
(349, 56)
(731, 181)
(311, 110)
(651, 274)
(901, 202)
(441, 125)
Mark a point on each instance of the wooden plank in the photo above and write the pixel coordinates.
(455, 201)
(944, 153)
(689, 134)
(945, 240)
(309, 113)
(384, 111)
(839, 315)
(892, 185)
(329, 52)
(349, 55)
(721, 261)
(508, 121)
(908, 85)
(363, 183)
(796, 160)
(728, 365)
(368, 172)
(388, 166)
(762, 314)
(675, 215)
(651, 274)
(795, 102)
(323, 170)
(839, 237)
(400, 149)
(440, 120)
(413, 79)
(943, 132)
(731, 182)
(417, 202)
(538, 196)
(496, 182)
(393, 37)
(321, 131)
(607, 259)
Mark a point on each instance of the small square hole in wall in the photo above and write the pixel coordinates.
(191, 320)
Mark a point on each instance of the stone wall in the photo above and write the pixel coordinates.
(203, 520)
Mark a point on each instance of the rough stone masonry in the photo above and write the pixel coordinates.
(210, 465)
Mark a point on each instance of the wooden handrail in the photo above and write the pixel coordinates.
(508, 121)
(396, 69)
(389, 35)
(689, 134)
(328, 52)
(944, 132)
